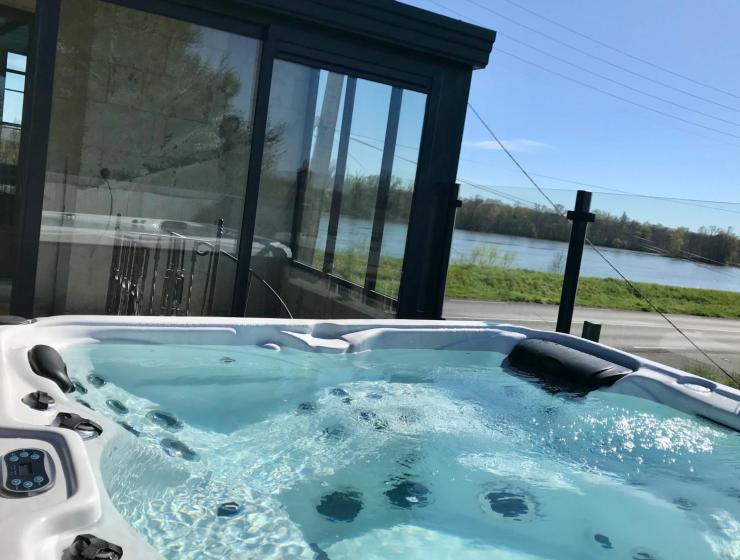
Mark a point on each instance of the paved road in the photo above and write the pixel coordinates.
(642, 333)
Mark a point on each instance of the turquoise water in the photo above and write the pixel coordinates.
(413, 454)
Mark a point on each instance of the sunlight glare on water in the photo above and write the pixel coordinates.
(399, 454)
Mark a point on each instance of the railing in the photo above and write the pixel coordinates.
(134, 274)
(134, 278)
(659, 277)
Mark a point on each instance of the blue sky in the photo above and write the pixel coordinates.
(562, 129)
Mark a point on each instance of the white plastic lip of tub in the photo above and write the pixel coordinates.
(43, 526)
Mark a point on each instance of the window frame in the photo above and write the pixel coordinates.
(445, 81)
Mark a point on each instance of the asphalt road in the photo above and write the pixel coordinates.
(641, 333)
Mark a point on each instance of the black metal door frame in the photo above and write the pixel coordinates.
(446, 84)
(32, 160)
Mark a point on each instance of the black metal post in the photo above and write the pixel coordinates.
(591, 331)
(580, 216)
(254, 173)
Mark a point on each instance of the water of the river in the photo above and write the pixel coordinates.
(548, 256)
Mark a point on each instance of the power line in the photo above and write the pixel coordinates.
(706, 262)
(464, 17)
(632, 286)
(506, 151)
(600, 59)
(615, 96)
(637, 291)
(488, 189)
(614, 190)
(687, 202)
(622, 52)
(699, 203)
(622, 84)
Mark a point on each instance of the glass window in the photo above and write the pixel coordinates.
(15, 82)
(16, 62)
(403, 178)
(147, 164)
(335, 194)
(12, 107)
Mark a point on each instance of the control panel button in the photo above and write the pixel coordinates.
(26, 472)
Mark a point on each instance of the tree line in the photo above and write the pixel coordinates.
(710, 244)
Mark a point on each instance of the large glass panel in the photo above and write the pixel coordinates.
(335, 194)
(15, 22)
(146, 172)
(413, 107)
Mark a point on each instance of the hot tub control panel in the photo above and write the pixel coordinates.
(26, 472)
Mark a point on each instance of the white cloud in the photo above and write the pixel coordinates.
(513, 145)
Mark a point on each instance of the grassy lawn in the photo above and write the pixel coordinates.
(497, 283)
(475, 281)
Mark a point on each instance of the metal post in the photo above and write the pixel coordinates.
(216, 258)
(580, 216)
(591, 331)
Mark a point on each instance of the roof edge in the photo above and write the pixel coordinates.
(392, 22)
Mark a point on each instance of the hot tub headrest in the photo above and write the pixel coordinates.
(560, 368)
(45, 361)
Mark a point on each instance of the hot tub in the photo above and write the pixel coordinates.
(234, 439)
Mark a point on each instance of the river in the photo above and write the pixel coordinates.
(548, 256)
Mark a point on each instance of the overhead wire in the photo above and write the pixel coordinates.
(635, 290)
(698, 203)
(616, 96)
(621, 51)
(601, 90)
(689, 256)
(558, 209)
(599, 58)
(622, 84)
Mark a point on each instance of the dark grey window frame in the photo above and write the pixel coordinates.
(379, 40)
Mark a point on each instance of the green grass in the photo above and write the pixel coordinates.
(496, 283)
(473, 281)
(352, 266)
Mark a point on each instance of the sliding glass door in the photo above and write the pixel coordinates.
(147, 164)
(337, 181)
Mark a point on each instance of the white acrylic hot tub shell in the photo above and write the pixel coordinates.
(42, 527)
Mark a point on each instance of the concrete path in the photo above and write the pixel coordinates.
(642, 333)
